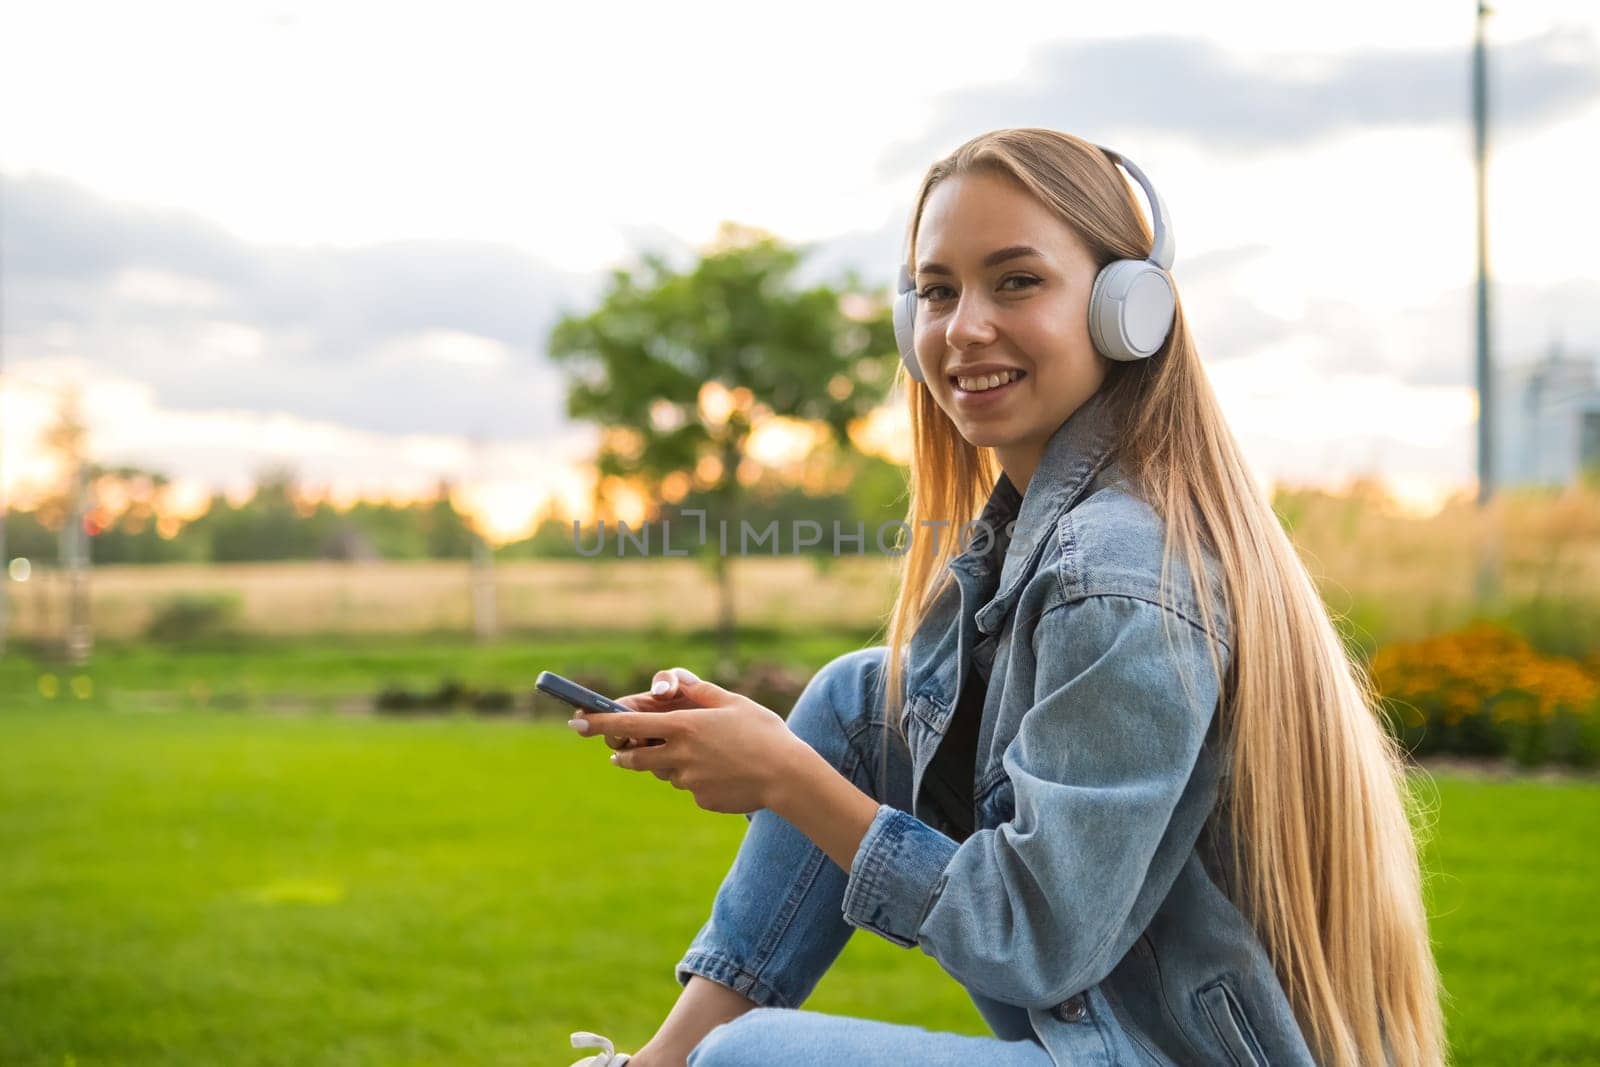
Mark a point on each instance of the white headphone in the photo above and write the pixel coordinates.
(1130, 307)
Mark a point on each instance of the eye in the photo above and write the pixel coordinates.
(926, 294)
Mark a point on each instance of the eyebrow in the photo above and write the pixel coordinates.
(999, 256)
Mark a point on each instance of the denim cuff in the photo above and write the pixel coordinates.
(895, 875)
(718, 968)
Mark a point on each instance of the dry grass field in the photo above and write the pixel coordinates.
(787, 592)
(1387, 575)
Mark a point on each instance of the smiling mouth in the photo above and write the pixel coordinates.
(987, 383)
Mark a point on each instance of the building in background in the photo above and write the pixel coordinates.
(1548, 419)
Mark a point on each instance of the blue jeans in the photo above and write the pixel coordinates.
(777, 925)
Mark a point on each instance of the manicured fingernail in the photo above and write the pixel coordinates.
(660, 687)
(613, 757)
(580, 725)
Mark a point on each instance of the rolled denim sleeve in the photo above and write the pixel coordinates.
(1043, 905)
(893, 875)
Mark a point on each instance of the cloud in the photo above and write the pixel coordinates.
(1191, 89)
(404, 336)
(335, 356)
(1431, 343)
(872, 253)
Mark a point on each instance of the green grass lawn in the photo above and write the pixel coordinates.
(212, 887)
(247, 672)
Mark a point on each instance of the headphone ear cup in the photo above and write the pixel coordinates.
(1130, 309)
(905, 320)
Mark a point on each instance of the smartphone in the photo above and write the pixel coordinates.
(570, 692)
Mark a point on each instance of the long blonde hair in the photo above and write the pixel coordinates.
(1316, 807)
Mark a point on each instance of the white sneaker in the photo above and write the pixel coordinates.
(605, 1058)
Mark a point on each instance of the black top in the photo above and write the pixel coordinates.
(948, 781)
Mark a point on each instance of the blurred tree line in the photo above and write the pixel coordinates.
(125, 523)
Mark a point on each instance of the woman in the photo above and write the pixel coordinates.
(1135, 798)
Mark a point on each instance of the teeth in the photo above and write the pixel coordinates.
(992, 381)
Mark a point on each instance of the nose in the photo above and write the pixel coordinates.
(970, 325)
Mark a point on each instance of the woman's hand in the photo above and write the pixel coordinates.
(724, 748)
(663, 695)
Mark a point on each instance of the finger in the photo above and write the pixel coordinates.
(648, 701)
(644, 758)
(641, 702)
(668, 684)
(679, 687)
(705, 694)
(586, 724)
(638, 724)
(633, 742)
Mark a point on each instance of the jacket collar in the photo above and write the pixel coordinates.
(1073, 455)
(942, 645)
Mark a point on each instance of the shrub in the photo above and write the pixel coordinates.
(1485, 691)
(771, 685)
(449, 694)
(189, 616)
(397, 699)
(493, 701)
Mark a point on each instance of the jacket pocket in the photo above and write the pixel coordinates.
(1231, 1027)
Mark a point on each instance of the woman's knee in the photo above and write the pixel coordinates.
(848, 689)
(740, 1041)
(840, 715)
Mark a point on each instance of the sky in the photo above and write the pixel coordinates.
(336, 236)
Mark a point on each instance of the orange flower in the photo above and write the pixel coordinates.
(1484, 668)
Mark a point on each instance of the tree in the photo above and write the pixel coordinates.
(67, 441)
(448, 533)
(126, 507)
(677, 367)
(267, 527)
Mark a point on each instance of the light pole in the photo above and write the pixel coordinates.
(485, 623)
(1480, 143)
(1487, 579)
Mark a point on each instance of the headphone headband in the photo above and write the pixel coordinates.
(1161, 249)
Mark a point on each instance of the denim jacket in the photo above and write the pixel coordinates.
(1089, 909)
